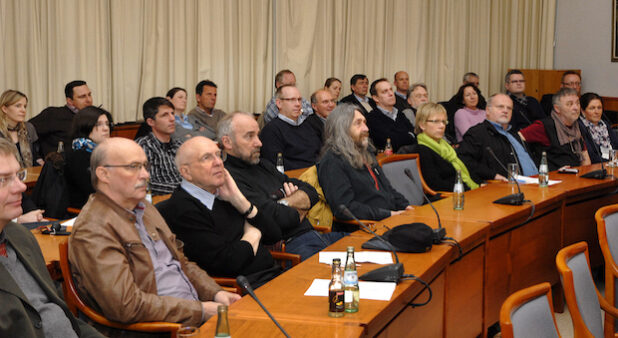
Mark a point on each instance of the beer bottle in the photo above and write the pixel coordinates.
(543, 171)
(458, 193)
(223, 327)
(280, 163)
(350, 283)
(336, 306)
(388, 149)
(60, 149)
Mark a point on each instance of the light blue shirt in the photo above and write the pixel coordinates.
(290, 121)
(272, 111)
(362, 99)
(391, 114)
(528, 168)
(202, 195)
(183, 121)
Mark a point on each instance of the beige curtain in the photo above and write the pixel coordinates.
(130, 50)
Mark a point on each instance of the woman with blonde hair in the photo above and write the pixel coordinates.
(13, 127)
(439, 161)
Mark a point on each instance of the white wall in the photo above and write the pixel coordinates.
(583, 41)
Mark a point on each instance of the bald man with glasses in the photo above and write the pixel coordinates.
(126, 262)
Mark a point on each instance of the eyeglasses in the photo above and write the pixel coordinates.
(7, 180)
(517, 81)
(292, 99)
(444, 122)
(574, 84)
(134, 167)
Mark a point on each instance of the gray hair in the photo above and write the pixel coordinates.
(414, 86)
(96, 160)
(555, 100)
(338, 140)
(224, 127)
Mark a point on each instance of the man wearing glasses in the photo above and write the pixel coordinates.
(223, 232)
(283, 78)
(298, 141)
(526, 109)
(160, 146)
(496, 133)
(31, 304)
(126, 261)
(570, 79)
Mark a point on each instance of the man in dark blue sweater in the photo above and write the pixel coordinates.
(298, 141)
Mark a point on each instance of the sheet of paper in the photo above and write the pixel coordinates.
(368, 290)
(69, 222)
(533, 180)
(378, 257)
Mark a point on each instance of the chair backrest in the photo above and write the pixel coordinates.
(394, 166)
(579, 290)
(75, 303)
(607, 228)
(529, 313)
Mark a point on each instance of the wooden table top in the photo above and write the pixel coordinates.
(260, 327)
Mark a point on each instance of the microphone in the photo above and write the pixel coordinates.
(600, 174)
(388, 273)
(244, 283)
(440, 232)
(513, 199)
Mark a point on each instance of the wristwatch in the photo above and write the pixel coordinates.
(284, 202)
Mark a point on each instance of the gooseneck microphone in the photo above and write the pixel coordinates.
(513, 199)
(388, 273)
(244, 283)
(600, 174)
(440, 232)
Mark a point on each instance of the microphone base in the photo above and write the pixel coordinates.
(596, 174)
(438, 235)
(388, 273)
(513, 199)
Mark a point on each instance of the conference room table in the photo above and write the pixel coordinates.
(504, 248)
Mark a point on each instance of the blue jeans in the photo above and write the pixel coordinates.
(307, 244)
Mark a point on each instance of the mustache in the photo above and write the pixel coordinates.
(364, 134)
(141, 184)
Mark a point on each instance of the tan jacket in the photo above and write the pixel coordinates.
(114, 272)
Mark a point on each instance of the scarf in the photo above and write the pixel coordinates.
(83, 143)
(447, 152)
(568, 135)
(599, 133)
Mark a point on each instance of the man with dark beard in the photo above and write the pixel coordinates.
(282, 200)
(349, 173)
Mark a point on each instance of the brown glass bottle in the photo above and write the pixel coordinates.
(336, 304)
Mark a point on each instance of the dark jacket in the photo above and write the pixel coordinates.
(594, 150)
(524, 115)
(213, 237)
(356, 189)
(557, 155)
(352, 99)
(77, 175)
(401, 103)
(53, 125)
(381, 127)
(546, 103)
(474, 154)
(437, 172)
(262, 185)
(18, 318)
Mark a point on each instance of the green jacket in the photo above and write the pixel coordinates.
(17, 317)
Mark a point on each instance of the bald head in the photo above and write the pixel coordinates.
(199, 162)
(118, 167)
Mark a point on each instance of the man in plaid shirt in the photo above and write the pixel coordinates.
(159, 146)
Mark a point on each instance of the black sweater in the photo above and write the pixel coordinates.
(300, 145)
(262, 185)
(381, 127)
(78, 177)
(212, 237)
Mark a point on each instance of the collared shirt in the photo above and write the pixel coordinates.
(202, 195)
(391, 114)
(403, 96)
(202, 111)
(528, 168)
(289, 121)
(170, 279)
(72, 108)
(272, 110)
(164, 176)
(361, 99)
(183, 120)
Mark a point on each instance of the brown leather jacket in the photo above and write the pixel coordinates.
(114, 272)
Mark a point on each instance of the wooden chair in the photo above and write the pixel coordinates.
(582, 297)
(529, 313)
(75, 303)
(394, 166)
(607, 228)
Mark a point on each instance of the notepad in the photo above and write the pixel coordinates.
(377, 257)
(533, 180)
(368, 290)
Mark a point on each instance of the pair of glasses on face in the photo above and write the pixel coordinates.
(292, 99)
(7, 180)
(444, 122)
(134, 167)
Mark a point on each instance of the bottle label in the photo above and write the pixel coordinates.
(543, 168)
(336, 301)
(350, 277)
(348, 296)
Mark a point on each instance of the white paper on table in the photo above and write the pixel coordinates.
(69, 222)
(368, 290)
(377, 257)
(533, 180)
